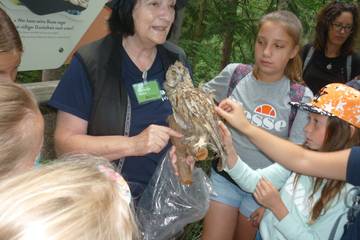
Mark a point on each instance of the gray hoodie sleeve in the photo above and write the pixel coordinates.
(301, 119)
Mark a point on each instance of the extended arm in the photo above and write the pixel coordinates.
(326, 165)
(242, 174)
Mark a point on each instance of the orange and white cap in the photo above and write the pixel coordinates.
(337, 100)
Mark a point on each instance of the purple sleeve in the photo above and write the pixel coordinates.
(353, 167)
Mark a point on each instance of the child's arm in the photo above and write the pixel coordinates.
(269, 197)
(326, 165)
(291, 223)
(242, 174)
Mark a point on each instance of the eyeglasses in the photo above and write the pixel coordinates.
(338, 27)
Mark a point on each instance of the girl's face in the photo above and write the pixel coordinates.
(9, 62)
(274, 48)
(315, 131)
(153, 20)
(340, 29)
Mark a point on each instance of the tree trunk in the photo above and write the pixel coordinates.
(229, 27)
(176, 31)
(227, 48)
(199, 26)
(283, 5)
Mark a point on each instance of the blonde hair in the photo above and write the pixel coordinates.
(293, 27)
(9, 37)
(68, 199)
(19, 114)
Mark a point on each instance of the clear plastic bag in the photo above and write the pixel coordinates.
(167, 206)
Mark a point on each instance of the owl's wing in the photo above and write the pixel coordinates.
(197, 107)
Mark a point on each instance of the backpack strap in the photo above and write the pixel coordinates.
(335, 227)
(355, 83)
(352, 213)
(348, 67)
(308, 57)
(239, 73)
(297, 92)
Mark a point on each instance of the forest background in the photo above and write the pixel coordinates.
(214, 33)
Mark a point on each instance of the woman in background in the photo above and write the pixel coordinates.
(331, 57)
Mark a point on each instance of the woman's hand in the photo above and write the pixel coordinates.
(233, 113)
(152, 140)
(268, 196)
(228, 145)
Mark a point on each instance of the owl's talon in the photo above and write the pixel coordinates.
(201, 154)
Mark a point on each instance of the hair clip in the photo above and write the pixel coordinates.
(121, 183)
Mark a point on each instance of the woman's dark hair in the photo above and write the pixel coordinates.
(325, 19)
(9, 36)
(121, 20)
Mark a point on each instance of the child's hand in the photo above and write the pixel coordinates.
(256, 216)
(233, 113)
(268, 196)
(228, 145)
(189, 161)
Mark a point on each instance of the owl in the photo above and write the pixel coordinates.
(194, 113)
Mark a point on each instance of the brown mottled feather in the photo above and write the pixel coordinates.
(194, 111)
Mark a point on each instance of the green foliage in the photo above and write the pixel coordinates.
(205, 53)
(29, 76)
(192, 232)
(36, 76)
(206, 21)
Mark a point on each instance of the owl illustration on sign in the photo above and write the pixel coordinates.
(194, 113)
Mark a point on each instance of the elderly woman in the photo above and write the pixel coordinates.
(331, 58)
(111, 100)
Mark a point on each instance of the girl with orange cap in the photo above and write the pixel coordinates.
(306, 207)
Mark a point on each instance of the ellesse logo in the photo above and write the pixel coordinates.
(264, 116)
(266, 110)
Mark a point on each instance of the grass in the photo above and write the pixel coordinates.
(192, 231)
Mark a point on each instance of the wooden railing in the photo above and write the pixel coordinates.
(42, 90)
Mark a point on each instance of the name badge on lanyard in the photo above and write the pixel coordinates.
(147, 91)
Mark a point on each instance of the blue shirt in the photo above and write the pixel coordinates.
(352, 230)
(353, 167)
(74, 95)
